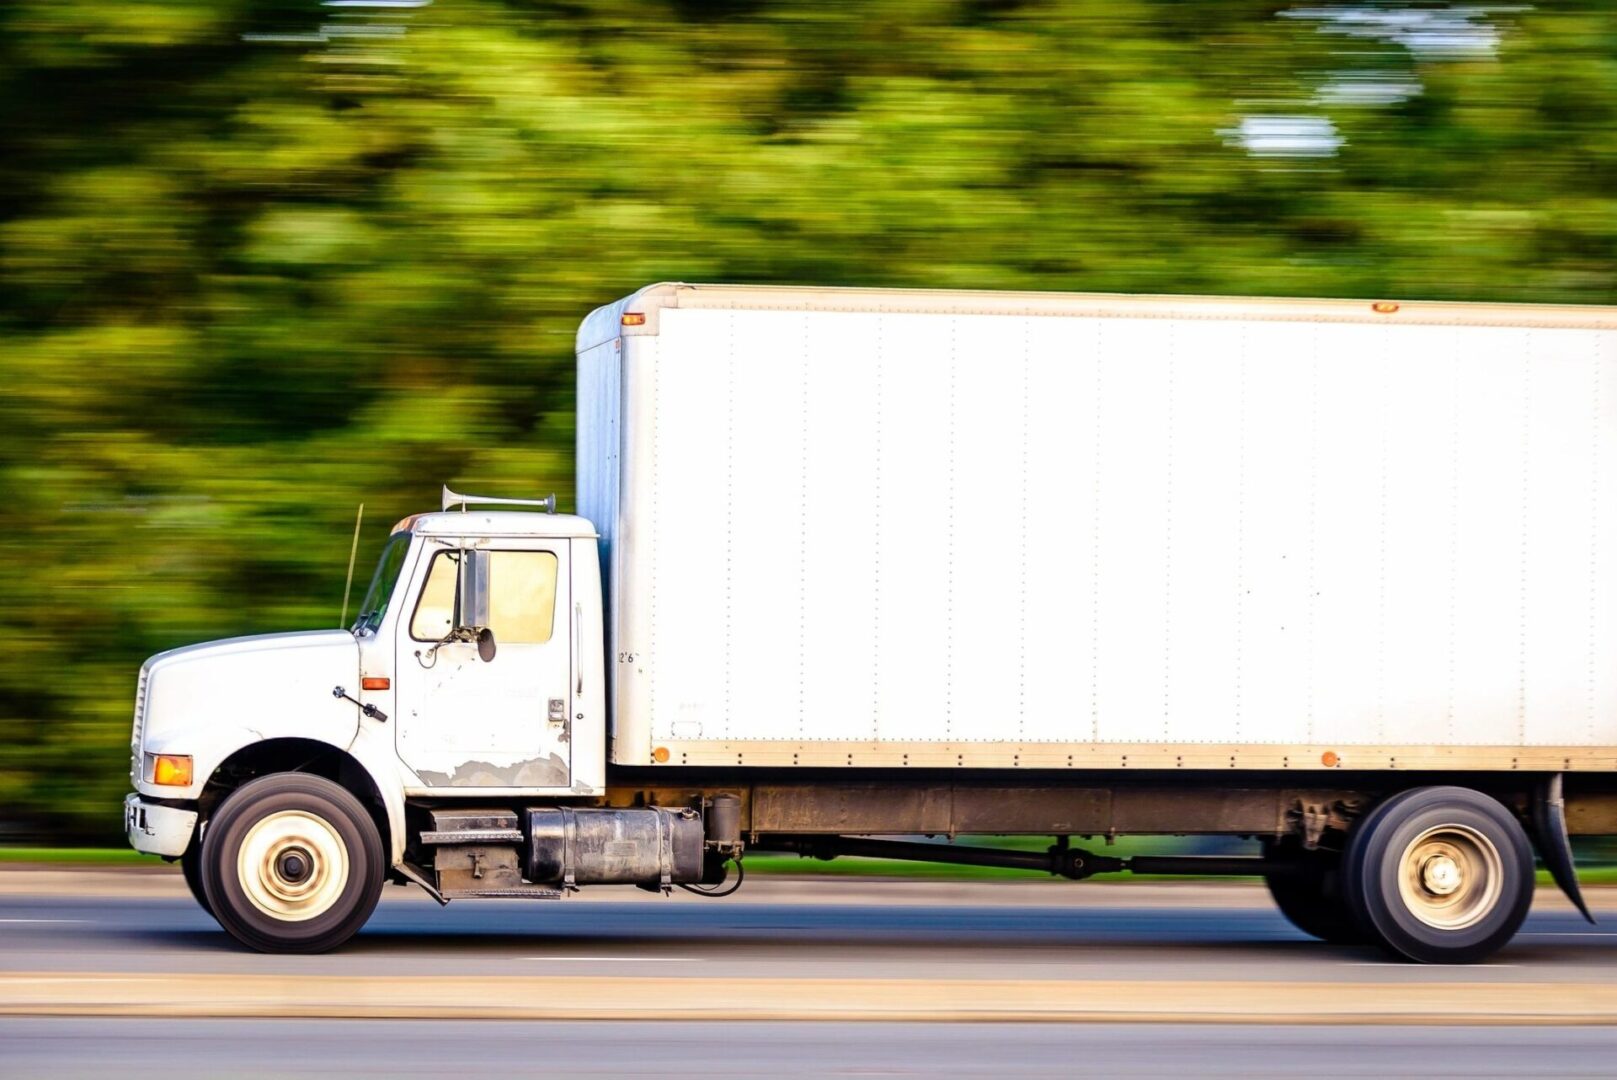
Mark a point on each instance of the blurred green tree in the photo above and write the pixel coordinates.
(264, 260)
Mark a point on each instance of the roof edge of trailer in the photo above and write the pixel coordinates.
(644, 306)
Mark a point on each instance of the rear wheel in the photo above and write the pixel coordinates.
(292, 863)
(1307, 894)
(1439, 875)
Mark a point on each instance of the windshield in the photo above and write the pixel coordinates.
(382, 583)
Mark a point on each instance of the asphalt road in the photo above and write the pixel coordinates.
(65, 1049)
(821, 929)
(835, 943)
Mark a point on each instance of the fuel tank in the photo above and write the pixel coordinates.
(653, 847)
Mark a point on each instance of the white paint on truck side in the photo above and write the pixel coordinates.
(881, 522)
(211, 700)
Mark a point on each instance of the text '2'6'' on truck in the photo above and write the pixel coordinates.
(859, 572)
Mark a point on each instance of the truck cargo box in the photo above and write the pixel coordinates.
(991, 530)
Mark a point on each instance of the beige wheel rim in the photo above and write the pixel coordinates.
(1450, 877)
(292, 865)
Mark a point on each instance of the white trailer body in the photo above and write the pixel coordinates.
(988, 530)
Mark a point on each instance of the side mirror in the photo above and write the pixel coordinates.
(471, 602)
(471, 592)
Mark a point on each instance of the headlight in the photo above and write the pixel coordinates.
(169, 770)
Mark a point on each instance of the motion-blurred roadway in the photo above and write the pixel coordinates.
(82, 937)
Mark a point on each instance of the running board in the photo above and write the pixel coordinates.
(473, 836)
(510, 892)
(460, 825)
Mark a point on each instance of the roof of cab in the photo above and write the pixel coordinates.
(498, 523)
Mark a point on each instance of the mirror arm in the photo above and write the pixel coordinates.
(369, 710)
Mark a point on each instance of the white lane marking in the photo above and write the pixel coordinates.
(623, 959)
(44, 920)
(1570, 933)
(1394, 965)
(78, 978)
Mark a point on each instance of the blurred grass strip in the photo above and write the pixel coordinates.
(77, 856)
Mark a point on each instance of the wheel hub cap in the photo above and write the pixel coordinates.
(292, 865)
(1440, 874)
(1450, 877)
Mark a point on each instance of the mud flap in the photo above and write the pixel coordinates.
(1554, 846)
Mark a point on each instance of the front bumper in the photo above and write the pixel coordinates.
(157, 829)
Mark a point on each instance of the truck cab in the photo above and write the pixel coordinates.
(473, 675)
(519, 712)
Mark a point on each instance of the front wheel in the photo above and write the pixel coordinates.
(292, 863)
(1439, 875)
(191, 870)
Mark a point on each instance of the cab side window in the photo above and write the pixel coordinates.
(435, 611)
(522, 597)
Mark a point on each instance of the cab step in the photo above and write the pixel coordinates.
(509, 892)
(453, 825)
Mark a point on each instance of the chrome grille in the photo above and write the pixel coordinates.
(139, 728)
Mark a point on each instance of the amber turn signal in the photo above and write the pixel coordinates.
(171, 770)
(660, 754)
(374, 682)
(634, 318)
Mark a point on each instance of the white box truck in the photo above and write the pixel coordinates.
(852, 565)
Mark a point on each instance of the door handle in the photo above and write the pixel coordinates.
(578, 646)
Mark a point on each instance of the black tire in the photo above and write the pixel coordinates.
(1311, 901)
(318, 861)
(1394, 871)
(191, 870)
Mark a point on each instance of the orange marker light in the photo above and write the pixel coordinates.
(660, 754)
(171, 770)
(1383, 307)
(1329, 759)
(634, 318)
(374, 682)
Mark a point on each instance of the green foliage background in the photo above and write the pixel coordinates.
(262, 261)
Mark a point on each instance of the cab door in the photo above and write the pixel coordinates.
(467, 725)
